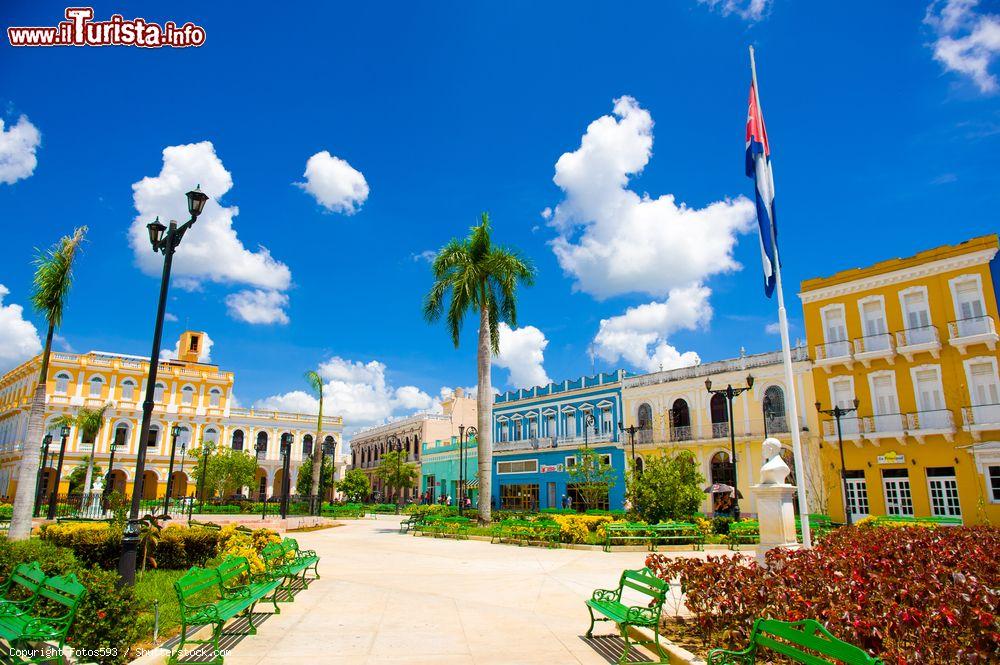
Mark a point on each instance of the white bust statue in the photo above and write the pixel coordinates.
(98, 487)
(774, 470)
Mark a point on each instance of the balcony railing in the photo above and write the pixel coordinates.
(884, 424)
(680, 433)
(981, 416)
(645, 436)
(935, 419)
(917, 336)
(777, 425)
(533, 443)
(873, 346)
(850, 427)
(974, 330)
(831, 351)
(720, 430)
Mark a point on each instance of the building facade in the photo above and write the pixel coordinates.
(197, 396)
(537, 433)
(672, 410)
(369, 446)
(914, 340)
(439, 470)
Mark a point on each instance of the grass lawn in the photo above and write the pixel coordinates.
(158, 585)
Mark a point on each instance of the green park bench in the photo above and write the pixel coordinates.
(746, 532)
(526, 532)
(919, 521)
(804, 641)
(45, 620)
(237, 580)
(646, 614)
(443, 525)
(347, 511)
(651, 534)
(20, 590)
(287, 561)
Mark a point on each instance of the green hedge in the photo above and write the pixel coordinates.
(179, 547)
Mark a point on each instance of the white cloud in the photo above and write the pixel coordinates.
(547, 213)
(773, 328)
(204, 355)
(258, 306)
(211, 250)
(748, 10)
(358, 391)
(522, 352)
(639, 336)
(167, 316)
(335, 184)
(613, 241)
(18, 144)
(966, 41)
(18, 337)
(427, 255)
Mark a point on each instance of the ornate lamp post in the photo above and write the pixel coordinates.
(119, 440)
(166, 240)
(630, 430)
(64, 433)
(328, 449)
(588, 422)
(837, 412)
(175, 432)
(204, 472)
(261, 449)
(729, 392)
(286, 463)
(40, 493)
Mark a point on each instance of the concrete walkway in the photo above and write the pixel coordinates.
(390, 598)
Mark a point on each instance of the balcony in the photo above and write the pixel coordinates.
(534, 443)
(874, 347)
(681, 433)
(645, 436)
(922, 424)
(834, 353)
(923, 339)
(850, 429)
(977, 419)
(720, 430)
(884, 426)
(777, 425)
(975, 330)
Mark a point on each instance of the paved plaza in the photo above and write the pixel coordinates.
(385, 597)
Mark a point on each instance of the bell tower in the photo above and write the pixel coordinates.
(191, 346)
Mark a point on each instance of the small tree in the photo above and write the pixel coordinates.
(355, 486)
(592, 476)
(228, 470)
(79, 474)
(304, 484)
(668, 488)
(396, 473)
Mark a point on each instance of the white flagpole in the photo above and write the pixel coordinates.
(786, 356)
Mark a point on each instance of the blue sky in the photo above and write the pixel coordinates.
(883, 119)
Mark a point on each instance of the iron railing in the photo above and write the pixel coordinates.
(918, 335)
(970, 327)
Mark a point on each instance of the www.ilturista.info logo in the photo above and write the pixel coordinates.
(79, 29)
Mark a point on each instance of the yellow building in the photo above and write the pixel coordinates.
(197, 396)
(914, 340)
(673, 410)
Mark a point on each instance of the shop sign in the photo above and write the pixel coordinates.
(892, 457)
(551, 468)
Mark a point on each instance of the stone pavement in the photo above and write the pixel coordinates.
(390, 598)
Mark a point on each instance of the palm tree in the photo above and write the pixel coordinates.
(481, 277)
(53, 278)
(315, 382)
(89, 422)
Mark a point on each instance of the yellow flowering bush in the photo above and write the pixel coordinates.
(577, 528)
(705, 526)
(236, 542)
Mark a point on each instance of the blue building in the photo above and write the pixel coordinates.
(538, 432)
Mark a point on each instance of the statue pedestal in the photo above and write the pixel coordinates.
(776, 515)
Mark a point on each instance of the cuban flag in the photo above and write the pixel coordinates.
(758, 167)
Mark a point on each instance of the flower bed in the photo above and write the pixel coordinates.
(907, 595)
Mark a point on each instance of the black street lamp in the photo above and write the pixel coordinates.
(837, 412)
(729, 392)
(328, 449)
(64, 433)
(119, 440)
(166, 240)
(40, 493)
(588, 422)
(393, 443)
(175, 432)
(630, 430)
(261, 449)
(286, 463)
(464, 434)
(204, 472)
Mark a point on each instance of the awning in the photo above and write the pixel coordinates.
(474, 483)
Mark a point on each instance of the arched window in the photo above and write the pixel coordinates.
(261, 442)
(238, 439)
(187, 395)
(645, 416)
(214, 397)
(722, 469)
(774, 409)
(329, 440)
(62, 382)
(680, 421)
(639, 465)
(121, 436)
(158, 392)
(720, 413)
(96, 384)
(128, 390)
(307, 445)
(211, 435)
(153, 439)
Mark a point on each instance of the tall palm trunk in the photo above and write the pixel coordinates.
(317, 453)
(484, 412)
(27, 475)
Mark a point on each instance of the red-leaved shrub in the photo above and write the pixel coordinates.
(907, 595)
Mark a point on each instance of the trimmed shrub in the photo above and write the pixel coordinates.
(99, 544)
(906, 595)
(582, 528)
(233, 542)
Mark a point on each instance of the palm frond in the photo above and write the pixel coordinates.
(54, 276)
(315, 382)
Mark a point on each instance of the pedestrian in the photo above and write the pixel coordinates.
(448, 501)
(564, 502)
(569, 502)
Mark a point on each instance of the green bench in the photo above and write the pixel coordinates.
(526, 532)
(443, 526)
(46, 618)
(800, 641)
(287, 561)
(347, 511)
(747, 532)
(612, 607)
(20, 591)
(919, 521)
(651, 534)
(411, 522)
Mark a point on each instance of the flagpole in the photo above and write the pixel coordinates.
(786, 356)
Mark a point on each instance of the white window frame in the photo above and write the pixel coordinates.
(885, 494)
(519, 461)
(916, 393)
(871, 389)
(63, 376)
(822, 317)
(968, 375)
(960, 279)
(570, 461)
(162, 394)
(129, 383)
(215, 398)
(861, 314)
(902, 304)
(989, 485)
(188, 389)
(95, 379)
(930, 495)
(837, 379)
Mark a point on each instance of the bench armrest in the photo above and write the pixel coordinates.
(235, 592)
(607, 595)
(643, 614)
(727, 657)
(207, 608)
